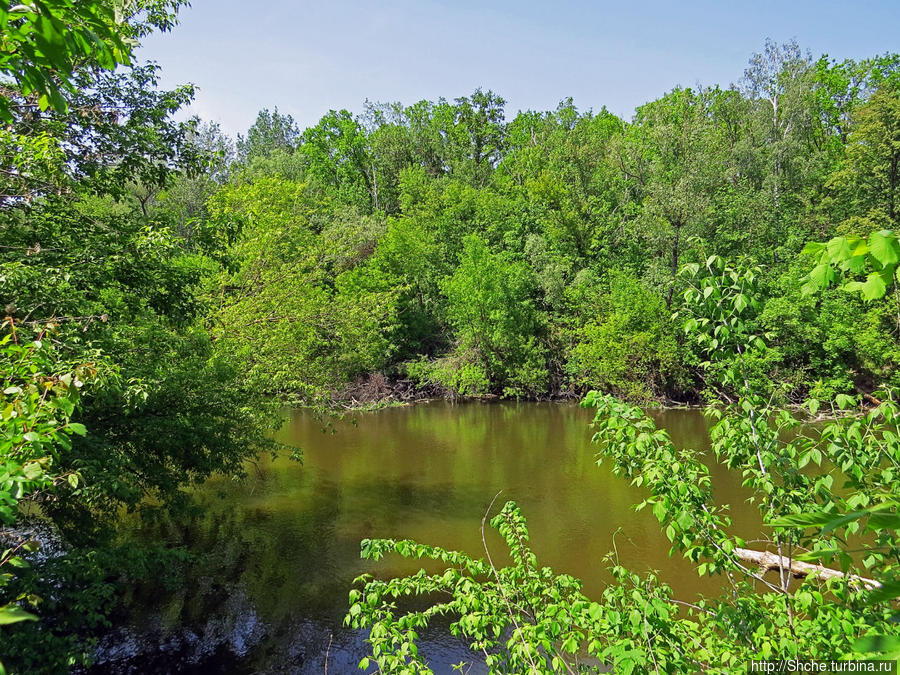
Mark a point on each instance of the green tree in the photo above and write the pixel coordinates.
(94, 280)
(869, 180)
(524, 618)
(560, 161)
(43, 45)
(340, 160)
(291, 309)
(630, 348)
(271, 132)
(778, 79)
(480, 138)
(491, 309)
(669, 157)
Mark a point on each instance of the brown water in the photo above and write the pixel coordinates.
(277, 553)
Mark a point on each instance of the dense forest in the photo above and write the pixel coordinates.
(461, 253)
(166, 289)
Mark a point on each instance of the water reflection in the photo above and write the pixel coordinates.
(278, 552)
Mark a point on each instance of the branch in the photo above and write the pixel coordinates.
(766, 560)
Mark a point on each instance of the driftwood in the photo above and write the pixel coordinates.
(871, 399)
(766, 561)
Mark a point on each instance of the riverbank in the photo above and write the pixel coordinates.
(376, 391)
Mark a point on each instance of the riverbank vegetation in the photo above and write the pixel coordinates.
(447, 245)
(113, 394)
(166, 289)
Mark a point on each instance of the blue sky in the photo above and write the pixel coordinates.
(309, 57)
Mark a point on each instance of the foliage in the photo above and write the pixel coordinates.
(44, 42)
(566, 204)
(870, 451)
(271, 132)
(200, 284)
(524, 618)
(631, 349)
(868, 182)
(875, 256)
(338, 160)
(489, 305)
(40, 395)
(721, 303)
(73, 589)
(13, 612)
(521, 618)
(297, 315)
(101, 284)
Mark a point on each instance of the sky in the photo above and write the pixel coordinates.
(306, 58)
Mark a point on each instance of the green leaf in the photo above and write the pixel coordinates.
(66, 405)
(843, 520)
(873, 288)
(14, 614)
(32, 470)
(856, 264)
(822, 275)
(884, 247)
(804, 520)
(884, 521)
(845, 401)
(877, 643)
(813, 248)
(839, 249)
(79, 429)
(889, 590)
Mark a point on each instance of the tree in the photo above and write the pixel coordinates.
(669, 157)
(497, 328)
(870, 176)
(778, 77)
(628, 347)
(340, 160)
(117, 133)
(270, 133)
(183, 201)
(99, 290)
(480, 140)
(524, 618)
(840, 88)
(291, 308)
(560, 161)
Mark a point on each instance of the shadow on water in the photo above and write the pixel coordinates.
(275, 555)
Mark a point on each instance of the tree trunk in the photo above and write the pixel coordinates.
(677, 227)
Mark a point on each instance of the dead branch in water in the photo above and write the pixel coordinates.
(767, 561)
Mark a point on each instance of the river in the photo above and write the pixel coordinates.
(277, 553)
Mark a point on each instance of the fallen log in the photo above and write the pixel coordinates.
(768, 561)
(868, 397)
